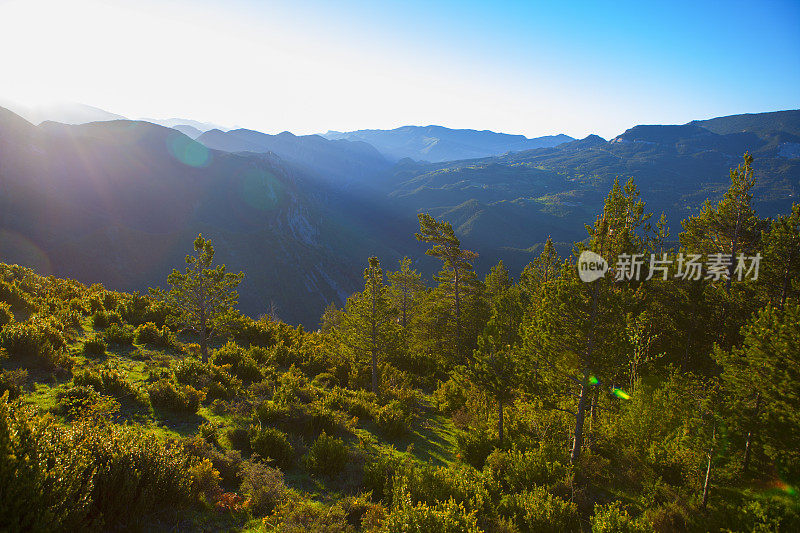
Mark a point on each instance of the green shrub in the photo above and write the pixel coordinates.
(271, 443)
(449, 396)
(43, 478)
(149, 333)
(6, 316)
(248, 331)
(459, 482)
(537, 510)
(516, 470)
(110, 382)
(216, 381)
(239, 439)
(37, 343)
(100, 319)
(94, 347)
(327, 456)
(303, 515)
(393, 420)
(443, 517)
(475, 446)
(264, 486)
(379, 475)
(136, 474)
(83, 401)
(164, 394)
(11, 294)
(12, 381)
(118, 334)
(325, 380)
(614, 518)
(242, 364)
(205, 479)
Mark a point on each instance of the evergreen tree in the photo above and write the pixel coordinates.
(494, 369)
(576, 337)
(406, 285)
(780, 273)
(203, 295)
(366, 326)
(731, 227)
(760, 380)
(456, 273)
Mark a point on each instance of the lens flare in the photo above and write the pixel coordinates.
(187, 151)
(16, 249)
(621, 394)
(785, 487)
(261, 190)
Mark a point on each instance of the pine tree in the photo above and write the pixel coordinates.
(781, 265)
(731, 227)
(203, 295)
(760, 380)
(366, 326)
(494, 369)
(576, 336)
(456, 271)
(406, 285)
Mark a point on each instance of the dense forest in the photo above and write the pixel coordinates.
(539, 402)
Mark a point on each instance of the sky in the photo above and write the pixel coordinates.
(531, 68)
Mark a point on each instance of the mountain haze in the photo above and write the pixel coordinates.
(437, 143)
(120, 202)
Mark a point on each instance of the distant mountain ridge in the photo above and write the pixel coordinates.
(437, 143)
(344, 160)
(63, 112)
(120, 201)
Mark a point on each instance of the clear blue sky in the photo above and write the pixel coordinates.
(305, 66)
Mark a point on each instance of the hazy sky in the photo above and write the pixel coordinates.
(308, 66)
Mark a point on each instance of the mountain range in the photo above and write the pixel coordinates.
(120, 201)
(437, 144)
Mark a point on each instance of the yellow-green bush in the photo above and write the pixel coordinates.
(273, 444)
(6, 316)
(164, 394)
(94, 347)
(36, 342)
(119, 334)
(327, 456)
(149, 333)
(263, 486)
(536, 510)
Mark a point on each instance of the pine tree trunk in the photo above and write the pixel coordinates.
(580, 417)
(750, 434)
(500, 420)
(456, 288)
(374, 337)
(203, 337)
(785, 287)
(707, 484)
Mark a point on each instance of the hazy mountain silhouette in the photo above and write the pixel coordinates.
(345, 161)
(189, 131)
(437, 143)
(64, 112)
(120, 202)
(172, 122)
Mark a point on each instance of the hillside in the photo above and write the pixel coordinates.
(109, 201)
(502, 205)
(319, 207)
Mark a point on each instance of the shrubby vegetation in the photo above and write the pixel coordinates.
(476, 404)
